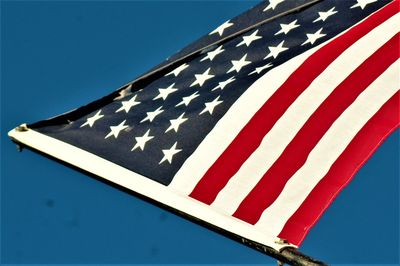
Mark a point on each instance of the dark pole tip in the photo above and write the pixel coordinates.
(296, 258)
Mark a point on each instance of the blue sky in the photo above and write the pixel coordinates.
(56, 56)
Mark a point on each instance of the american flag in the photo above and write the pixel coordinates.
(261, 124)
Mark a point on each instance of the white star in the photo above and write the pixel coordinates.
(127, 105)
(363, 3)
(274, 51)
(90, 120)
(259, 69)
(324, 15)
(116, 129)
(124, 92)
(164, 92)
(141, 141)
(178, 70)
(212, 54)
(168, 154)
(221, 28)
(312, 37)
(273, 4)
(249, 39)
(201, 78)
(187, 99)
(211, 105)
(151, 115)
(222, 84)
(238, 64)
(175, 123)
(285, 28)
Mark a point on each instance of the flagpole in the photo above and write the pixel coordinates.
(294, 257)
(286, 255)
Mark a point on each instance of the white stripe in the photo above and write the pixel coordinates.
(328, 149)
(229, 126)
(140, 184)
(274, 143)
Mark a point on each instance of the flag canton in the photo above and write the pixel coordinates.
(153, 130)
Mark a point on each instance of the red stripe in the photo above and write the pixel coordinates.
(295, 154)
(250, 137)
(368, 139)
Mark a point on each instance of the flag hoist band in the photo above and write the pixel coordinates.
(285, 148)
